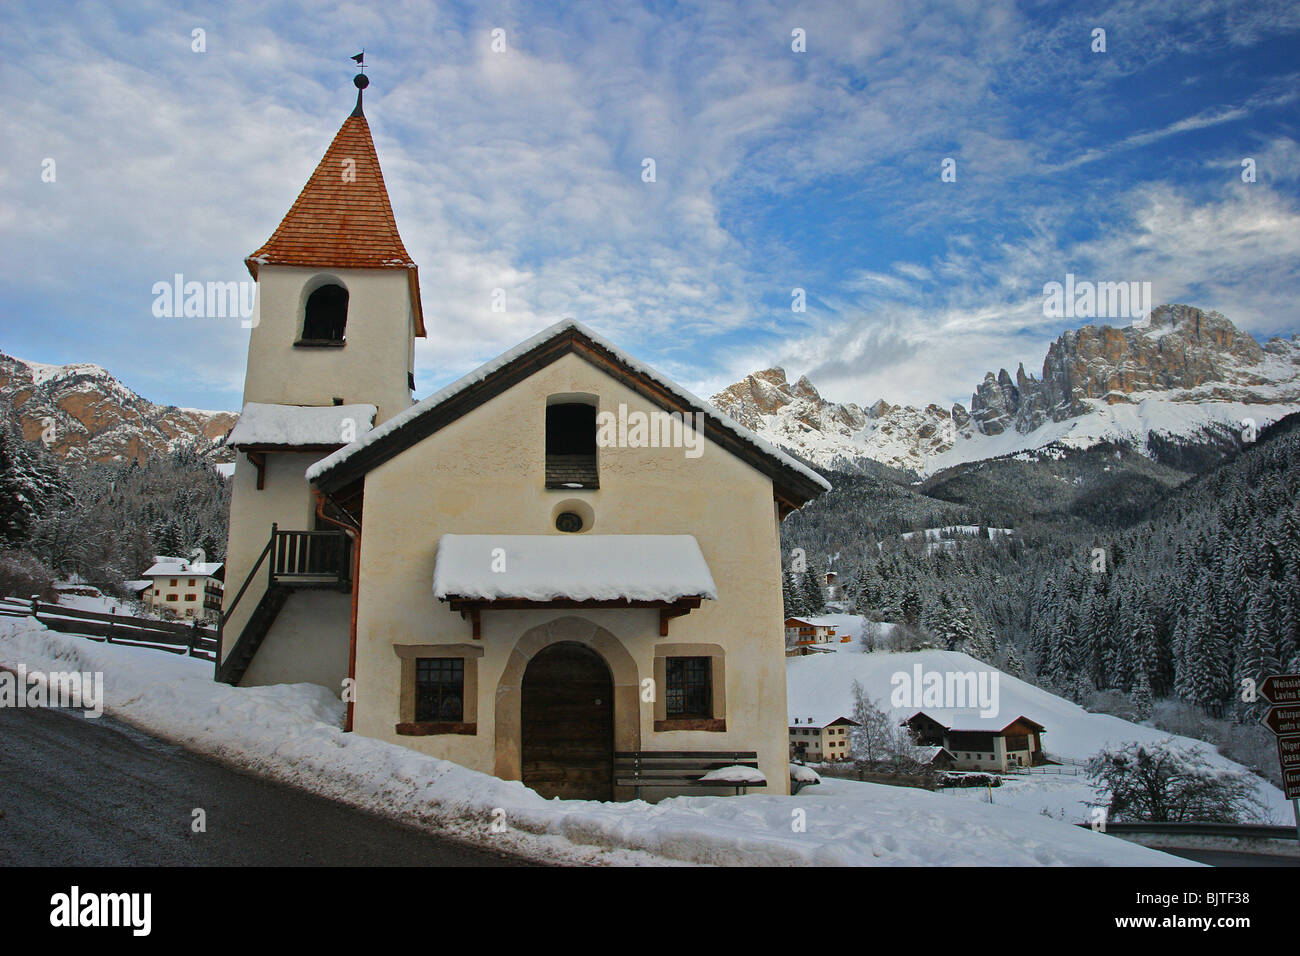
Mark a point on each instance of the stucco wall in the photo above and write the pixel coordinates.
(484, 474)
(372, 367)
(309, 642)
(287, 499)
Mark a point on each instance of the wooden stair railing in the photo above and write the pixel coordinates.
(298, 559)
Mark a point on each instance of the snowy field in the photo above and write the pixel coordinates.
(822, 683)
(292, 733)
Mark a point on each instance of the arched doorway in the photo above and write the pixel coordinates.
(567, 718)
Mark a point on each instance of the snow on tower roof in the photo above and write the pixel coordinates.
(780, 466)
(300, 425)
(587, 567)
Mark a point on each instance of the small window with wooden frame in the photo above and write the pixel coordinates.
(571, 442)
(693, 682)
(439, 689)
(689, 686)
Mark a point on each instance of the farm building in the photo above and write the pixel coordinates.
(980, 743)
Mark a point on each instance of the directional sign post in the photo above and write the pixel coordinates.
(1281, 689)
(1283, 721)
(1283, 718)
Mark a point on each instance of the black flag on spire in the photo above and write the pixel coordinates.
(361, 81)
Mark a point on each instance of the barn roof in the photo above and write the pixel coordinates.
(971, 720)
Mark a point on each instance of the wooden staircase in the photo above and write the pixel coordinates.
(231, 670)
(299, 559)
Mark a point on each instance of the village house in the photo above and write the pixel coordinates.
(512, 574)
(189, 589)
(821, 740)
(802, 631)
(980, 743)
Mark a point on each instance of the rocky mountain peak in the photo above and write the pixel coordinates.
(804, 389)
(1181, 355)
(87, 414)
(1180, 347)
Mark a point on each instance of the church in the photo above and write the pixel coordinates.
(558, 562)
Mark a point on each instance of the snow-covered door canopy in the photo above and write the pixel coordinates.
(477, 572)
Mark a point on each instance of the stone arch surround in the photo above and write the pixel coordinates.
(627, 703)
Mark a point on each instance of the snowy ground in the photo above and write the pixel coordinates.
(823, 683)
(291, 732)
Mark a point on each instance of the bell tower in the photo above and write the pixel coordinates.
(330, 354)
(338, 294)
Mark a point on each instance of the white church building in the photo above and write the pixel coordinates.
(552, 568)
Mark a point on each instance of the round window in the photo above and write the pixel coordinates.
(570, 522)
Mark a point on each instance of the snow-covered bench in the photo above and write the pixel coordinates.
(801, 776)
(676, 769)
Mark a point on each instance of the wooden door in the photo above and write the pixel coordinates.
(568, 724)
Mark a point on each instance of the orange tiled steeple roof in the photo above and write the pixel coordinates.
(342, 217)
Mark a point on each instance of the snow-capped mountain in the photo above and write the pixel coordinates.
(87, 414)
(1184, 373)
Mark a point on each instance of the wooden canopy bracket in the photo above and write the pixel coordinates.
(475, 615)
(258, 458)
(473, 609)
(678, 609)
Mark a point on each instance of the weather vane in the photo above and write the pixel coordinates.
(360, 81)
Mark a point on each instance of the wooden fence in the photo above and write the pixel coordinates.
(193, 640)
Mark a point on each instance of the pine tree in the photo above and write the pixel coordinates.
(1141, 697)
(814, 598)
(981, 645)
(1013, 666)
(792, 596)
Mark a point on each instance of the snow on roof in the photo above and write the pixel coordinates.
(261, 424)
(818, 720)
(926, 754)
(588, 567)
(166, 566)
(505, 358)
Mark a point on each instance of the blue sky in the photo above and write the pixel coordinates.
(775, 170)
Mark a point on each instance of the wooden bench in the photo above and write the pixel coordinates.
(679, 768)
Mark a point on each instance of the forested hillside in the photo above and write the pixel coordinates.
(1122, 574)
(103, 521)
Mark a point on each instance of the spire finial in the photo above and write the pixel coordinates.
(360, 81)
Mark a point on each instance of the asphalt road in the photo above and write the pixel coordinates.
(79, 792)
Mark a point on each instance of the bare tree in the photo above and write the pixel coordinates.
(1163, 782)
